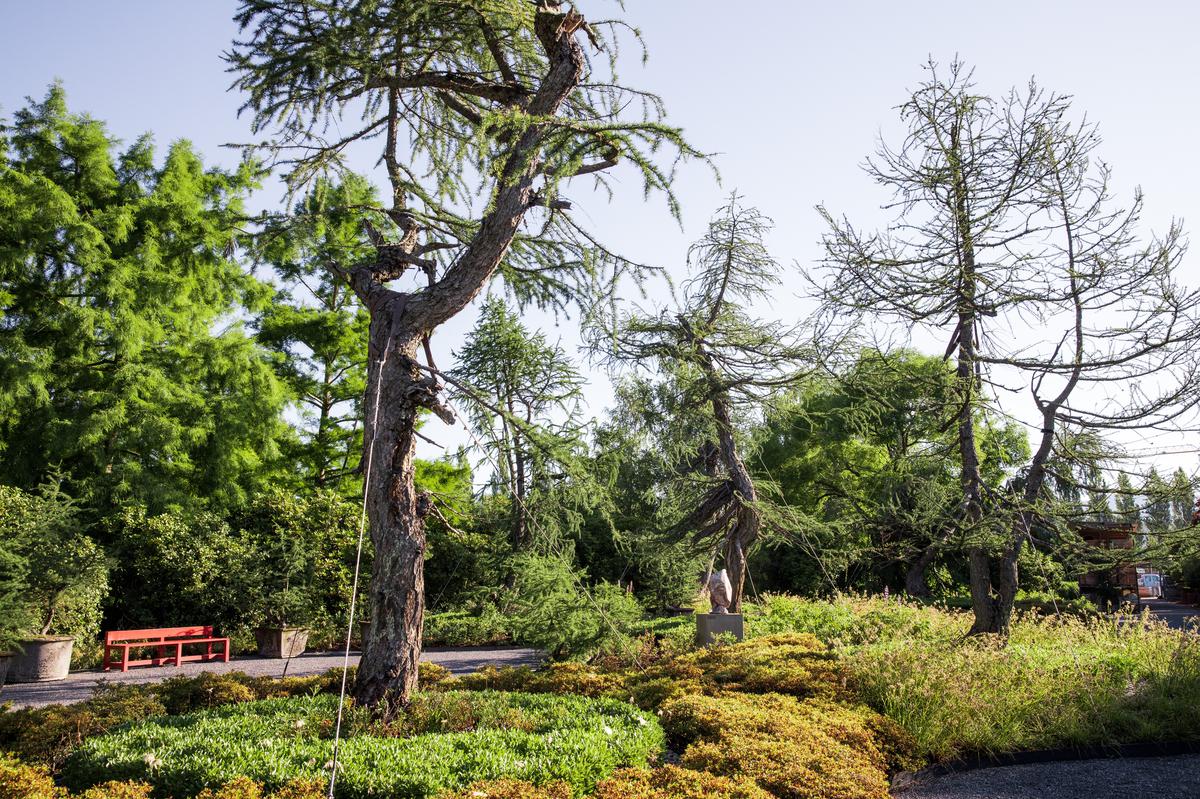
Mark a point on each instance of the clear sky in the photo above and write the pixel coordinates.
(791, 95)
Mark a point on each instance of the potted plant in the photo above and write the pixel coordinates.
(283, 635)
(60, 561)
(13, 570)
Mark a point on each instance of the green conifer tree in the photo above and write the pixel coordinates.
(122, 359)
(319, 327)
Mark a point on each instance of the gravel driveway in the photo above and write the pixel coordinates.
(80, 685)
(1129, 778)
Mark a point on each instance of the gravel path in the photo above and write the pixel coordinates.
(80, 685)
(1129, 778)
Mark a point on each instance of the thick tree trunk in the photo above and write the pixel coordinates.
(914, 576)
(399, 388)
(396, 511)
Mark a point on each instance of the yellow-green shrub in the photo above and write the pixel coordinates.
(812, 749)
(813, 768)
(799, 665)
(21, 781)
(118, 790)
(557, 678)
(510, 789)
(431, 674)
(672, 782)
(186, 694)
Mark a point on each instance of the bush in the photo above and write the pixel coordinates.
(672, 782)
(510, 789)
(796, 750)
(21, 781)
(47, 735)
(463, 628)
(799, 665)
(569, 739)
(184, 694)
(852, 620)
(555, 678)
(557, 613)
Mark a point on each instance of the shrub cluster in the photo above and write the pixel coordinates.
(22, 781)
(665, 782)
(536, 738)
(768, 716)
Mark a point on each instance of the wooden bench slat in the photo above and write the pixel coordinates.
(160, 638)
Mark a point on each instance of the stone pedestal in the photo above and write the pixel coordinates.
(710, 625)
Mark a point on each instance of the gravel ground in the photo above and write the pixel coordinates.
(80, 685)
(1129, 778)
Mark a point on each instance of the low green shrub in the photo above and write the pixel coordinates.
(558, 738)
(184, 694)
(47, 734)
(554, 611)
(463, 628)
(799, 665)
(852, 620)
(555, 678)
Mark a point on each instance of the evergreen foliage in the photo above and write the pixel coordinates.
(123, 365)
(319, 327)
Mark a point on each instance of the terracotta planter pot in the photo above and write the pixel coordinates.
(42, 659)
(281, 642)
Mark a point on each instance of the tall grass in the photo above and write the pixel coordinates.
(1058, 681)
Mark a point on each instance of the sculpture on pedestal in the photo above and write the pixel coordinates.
(720, 591)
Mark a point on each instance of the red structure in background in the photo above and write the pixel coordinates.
(1118, 583)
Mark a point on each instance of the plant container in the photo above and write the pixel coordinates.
(42, 659)
(281, 642)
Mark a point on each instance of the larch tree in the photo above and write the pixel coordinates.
(1008, 242)
(722, 359)
(123, 363)
(521, 395)
(318, 326)
(482, 113)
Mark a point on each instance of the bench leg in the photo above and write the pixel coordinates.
(178, 655)
(226, 650)
(124, 658)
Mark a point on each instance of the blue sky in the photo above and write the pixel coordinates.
(790, 95)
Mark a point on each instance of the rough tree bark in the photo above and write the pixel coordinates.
(397, 388)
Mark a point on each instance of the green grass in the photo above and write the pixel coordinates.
(1057, 682)
(448, 740)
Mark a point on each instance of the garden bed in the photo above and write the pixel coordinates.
(445, 741)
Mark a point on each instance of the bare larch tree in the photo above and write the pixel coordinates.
(1007, 240)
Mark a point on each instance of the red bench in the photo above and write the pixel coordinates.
(161, 641)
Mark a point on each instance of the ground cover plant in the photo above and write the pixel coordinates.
(1056, 681)
(444, 741)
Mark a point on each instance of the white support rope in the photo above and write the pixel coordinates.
(362, 527)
